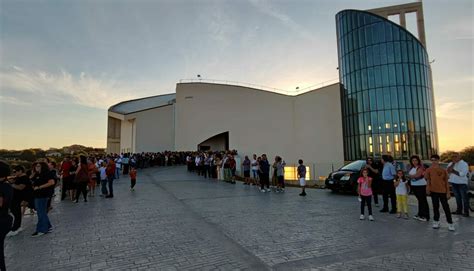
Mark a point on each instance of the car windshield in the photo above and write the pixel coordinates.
(354, 166)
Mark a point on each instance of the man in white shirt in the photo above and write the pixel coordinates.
(458, 170)
(118, 167)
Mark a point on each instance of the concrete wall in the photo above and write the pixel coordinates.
(257, 121)
(216, 143)
(154, 129)
(127, 135)
(307, 126)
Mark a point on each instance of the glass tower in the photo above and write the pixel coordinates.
(386, 89)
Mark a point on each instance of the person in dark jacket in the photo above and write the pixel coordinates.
(264, 171)
(6, 220)
(42, 182)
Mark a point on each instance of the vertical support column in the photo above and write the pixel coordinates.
(403, 21)
(420, 25)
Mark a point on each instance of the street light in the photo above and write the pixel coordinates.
(199, 77)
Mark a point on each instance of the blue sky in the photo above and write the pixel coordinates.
(63, 63)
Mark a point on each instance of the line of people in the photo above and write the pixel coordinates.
(223, 166)
(396, 185)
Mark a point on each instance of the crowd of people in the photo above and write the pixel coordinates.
(223, 166)
(396, 185)
(33, 189)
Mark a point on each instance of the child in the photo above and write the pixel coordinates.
(401, 189)
(103, 180)
(365, 193)
(302, 177)
(133, 178)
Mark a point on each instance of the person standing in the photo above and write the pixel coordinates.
(365, 193)
(125, 164)
(302, 177)
(374, 174)
(402, 190)
(110, 171)
(264, 171)
(458, 170)
(246, 167)
(21, 186)
(82, 179)
(280, 174)
(133, 178)
(92, 170)
(103, 179)
(42, 183)
(418, 185)
(118, 167)
(6, 220)
(233, 168)
(255, 169)
(388, 174)
(438, 187)
(64, 171)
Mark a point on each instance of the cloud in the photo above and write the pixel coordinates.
(459, 110)
(64, 87)
(265, 7)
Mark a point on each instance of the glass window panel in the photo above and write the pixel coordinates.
(368, 35)
(356, 60)
(386, 98)
(404, 52)
(410, 121)
(403, 120)
(395, 32)
(362, 58)
(383, 54)
(369, 56)
(378, 76)
(372, 99)
(392, 75)
(416, 52)
(385, 75)
(388, 121)
(412, 74)
(397, 52)
(373, 122)
(357, 148)
(368, 126)
(393, 97)
(423, 75)
(362, 37)
(408, 98)
(381, 32)
(355, 20)
(414, 96)
(390, 53)
(411, 57)
(406, 74)
(365, 100)
(355, 37)
(361, 125)
(379, 92)
(421, 103)
(364, 78)
(401, 97)
(399, 71)
(418, 144)
(362, 146)
(360, 105)
(388, 32)
(395, 121)
(381, 121)
(371, 77)
(418, 69)
(403, 35)
(350, 44)
(425, 152)
(376, 51)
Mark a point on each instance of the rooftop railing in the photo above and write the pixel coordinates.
(295, 92)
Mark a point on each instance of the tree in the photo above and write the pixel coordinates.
(28, 155)
(467, 155)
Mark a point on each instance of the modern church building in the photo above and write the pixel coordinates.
(383, 104)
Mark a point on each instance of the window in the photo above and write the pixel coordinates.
(388, 121)
(403, 120)
(393, 97)
(401, 97)
(408, 98)
(383, 54)
(369, 56)
(404, 52)
(379, 92)
(371, 77)
(396, 121)
(376, 54)
(397, 52)
(385, 75)
(386, 98)
(378, 76)
(364, 79)
(392, 75)
(399, 72)
(388, 32)
(373, 97)
(390, 53)
(414, 95)
(363, 58)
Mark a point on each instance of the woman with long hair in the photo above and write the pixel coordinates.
(82, 179)
(418, 185)
(42, 182)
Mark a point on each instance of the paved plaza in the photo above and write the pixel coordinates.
(178, 221)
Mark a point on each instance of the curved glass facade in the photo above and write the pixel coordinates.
(386, 92)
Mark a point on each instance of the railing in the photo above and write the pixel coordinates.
(249, 85)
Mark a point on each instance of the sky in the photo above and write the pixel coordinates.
(63, 63)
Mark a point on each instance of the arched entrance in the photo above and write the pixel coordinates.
(218, 142)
